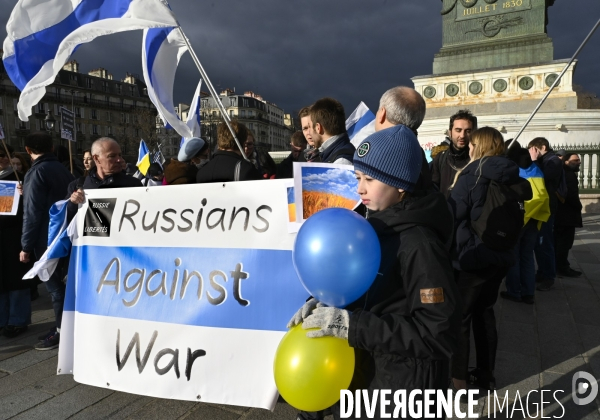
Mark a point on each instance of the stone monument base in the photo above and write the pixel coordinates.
(498, 91)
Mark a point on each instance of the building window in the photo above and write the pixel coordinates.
(243, 113)
(122, 118)
(108, 118)
(89, 83)
(94, 129)
(94, 114)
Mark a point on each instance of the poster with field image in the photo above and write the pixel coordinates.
(319, 186)
(9, 198)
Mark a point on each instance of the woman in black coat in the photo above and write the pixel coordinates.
(15, 302)
(480, 269)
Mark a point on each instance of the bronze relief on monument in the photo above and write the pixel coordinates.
(492, 27)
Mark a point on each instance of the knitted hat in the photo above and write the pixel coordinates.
(392, 156)
(190, 148)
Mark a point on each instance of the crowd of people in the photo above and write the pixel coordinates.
(441, 269)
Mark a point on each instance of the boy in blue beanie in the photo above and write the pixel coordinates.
(404, 329)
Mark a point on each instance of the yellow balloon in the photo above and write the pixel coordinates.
(310, 372)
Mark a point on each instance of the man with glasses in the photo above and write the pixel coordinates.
(297, 145)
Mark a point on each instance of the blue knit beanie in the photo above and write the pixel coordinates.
(392, 156)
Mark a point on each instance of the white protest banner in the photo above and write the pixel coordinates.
(1, 132)
(181, 292)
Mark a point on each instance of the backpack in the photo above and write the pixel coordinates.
(501, 218)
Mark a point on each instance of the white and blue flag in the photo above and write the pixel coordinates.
(360, 124)
(60, 236)
(161, 51)
(42, 35)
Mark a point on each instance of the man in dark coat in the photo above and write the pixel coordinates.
(404, 105)
(227, 163)
(15, 302)
(568, 217)
(552, 167)
(44, 184)
(107, 173)
(327, 128)
(446, 164)
(298, 143)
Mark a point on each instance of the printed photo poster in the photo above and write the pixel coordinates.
(319, 186)
(9, 198)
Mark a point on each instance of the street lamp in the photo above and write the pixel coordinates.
(50, 121)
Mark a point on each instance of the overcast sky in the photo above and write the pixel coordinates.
(294, 52)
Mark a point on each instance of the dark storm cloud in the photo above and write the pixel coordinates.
(293, 53)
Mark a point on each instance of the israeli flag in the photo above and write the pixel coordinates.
(60, 237)
(161, 51)
(42, 35)
(360, 124)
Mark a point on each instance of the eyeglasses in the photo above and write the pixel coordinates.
(249, 145)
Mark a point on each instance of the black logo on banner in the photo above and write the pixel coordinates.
(98, 217)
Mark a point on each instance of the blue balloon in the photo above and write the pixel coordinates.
(337, 256)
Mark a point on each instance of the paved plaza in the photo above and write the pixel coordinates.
(541, 347)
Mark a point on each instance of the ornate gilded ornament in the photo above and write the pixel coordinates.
(429, 92)
(500, 85)
(526, 83)
(475, 88)
(492, 27)
(452, 89)
(468, 3)
(491, 1)
(551, 78)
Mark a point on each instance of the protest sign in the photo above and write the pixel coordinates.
(181, 292)
(318, 186)
(9, 198)
(1, 132)
(67, 127)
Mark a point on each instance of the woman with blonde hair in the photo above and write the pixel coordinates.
(480, 268)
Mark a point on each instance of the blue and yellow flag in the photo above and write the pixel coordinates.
(143, 162)
(538, 207)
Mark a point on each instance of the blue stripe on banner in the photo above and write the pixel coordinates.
(361, 123)
(33, 51)
(69, 304)
(154, 40)
(237, 288)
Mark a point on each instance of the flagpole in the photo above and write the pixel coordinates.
(537, 108)
(212, 90)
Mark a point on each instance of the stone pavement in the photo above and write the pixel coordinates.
(541, 346)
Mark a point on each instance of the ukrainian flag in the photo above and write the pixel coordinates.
(143, 162)
(538, 207)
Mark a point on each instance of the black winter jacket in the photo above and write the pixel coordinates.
(285, 169)
(569, 212)
(92, 182)
(467, 199)
(221, 168)
(552, 167)
(44, 184)
(445, 166)
(400, 341)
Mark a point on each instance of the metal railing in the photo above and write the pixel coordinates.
(589, 172)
